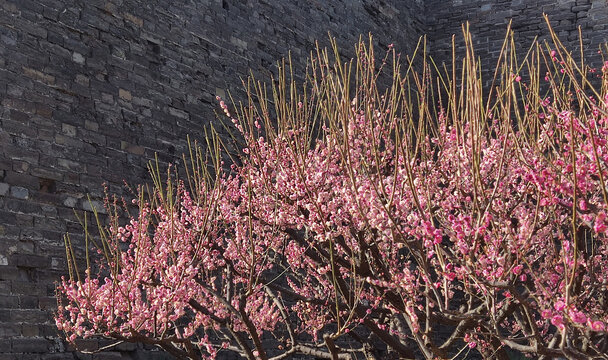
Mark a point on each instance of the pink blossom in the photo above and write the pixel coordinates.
(517, 269)
(597, 325)
(577, 316)
(558, 321)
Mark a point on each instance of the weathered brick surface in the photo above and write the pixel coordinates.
(488, 21)
(90, 90)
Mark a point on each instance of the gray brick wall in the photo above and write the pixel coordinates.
(91, 90)
(488, 21)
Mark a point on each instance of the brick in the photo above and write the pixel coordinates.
(19, 116)
(29, 330)
(91, 125)
(69, 164)
(28, 287)
(85, 344)
(30, 345)
(9, 302)
(48, 302)
(57, 356)
(125, 94)
(49, 331)
(33, 29)
(8, 329)
(82, 80)
(142, 102)
(93, 204)
(78, 58)
(45, 174)
(28, 302)
(178, 113)
(38, 75)
(133, 149)
(10, 7)
(13, 90)
(30, 316)
(134, 19)
(19, 356)
(19, 179)
(24, 219)
(5, 287)
(18, 128)
(4, 189)
(43, 110)
(70, 202)
(5, 345)
(19, 192)
(69, 130)
(109, 355)
(25, 247)
(126, 346)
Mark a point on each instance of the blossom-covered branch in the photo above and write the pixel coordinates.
(375, 211)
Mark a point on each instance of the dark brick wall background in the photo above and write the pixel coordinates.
(488, 21)
(90, 90)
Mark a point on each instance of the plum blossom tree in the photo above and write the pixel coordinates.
(409, 216)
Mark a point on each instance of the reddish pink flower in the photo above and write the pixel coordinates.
(597, 325)
(558, 321)
(577, 316)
